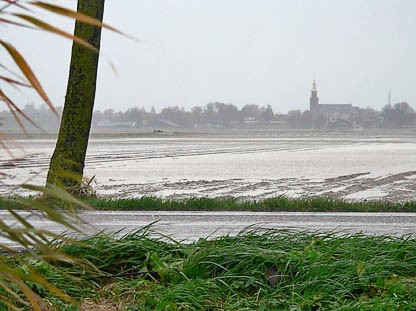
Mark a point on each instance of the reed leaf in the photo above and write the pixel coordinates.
(28, 72)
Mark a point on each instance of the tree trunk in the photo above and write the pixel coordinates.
(68, 160)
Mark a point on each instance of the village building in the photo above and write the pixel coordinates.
(337, 116)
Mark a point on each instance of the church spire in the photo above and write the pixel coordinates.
(314, 83)
(314, 100)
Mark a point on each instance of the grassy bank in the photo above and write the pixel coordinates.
(278, 204)
(270, 270)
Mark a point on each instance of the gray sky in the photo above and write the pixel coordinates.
(261, 52)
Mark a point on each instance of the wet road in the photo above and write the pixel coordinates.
(189, 226)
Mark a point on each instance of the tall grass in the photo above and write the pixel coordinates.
(276, 204)
(255, 270)
(280, 203)
(20, 275)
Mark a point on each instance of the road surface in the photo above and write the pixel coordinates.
(189, 226)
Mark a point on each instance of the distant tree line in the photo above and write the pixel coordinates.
(43, 116)
(213, 114)
(399, 115)
(222, 115)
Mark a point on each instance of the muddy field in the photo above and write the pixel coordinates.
(353, 166)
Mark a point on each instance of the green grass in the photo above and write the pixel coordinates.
(315, 271)
(276, 204)
(311, 271)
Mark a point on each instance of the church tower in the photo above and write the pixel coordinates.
(314, 100)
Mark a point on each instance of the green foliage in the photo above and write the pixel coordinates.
(276, 204)
(25, 274)
(255, 270)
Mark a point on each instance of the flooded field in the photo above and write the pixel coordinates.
(353, 166)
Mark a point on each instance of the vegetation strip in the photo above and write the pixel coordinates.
(255, 270)
(277, 204)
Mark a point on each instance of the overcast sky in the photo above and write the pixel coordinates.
(263, 52)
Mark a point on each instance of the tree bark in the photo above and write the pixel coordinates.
(67, 163)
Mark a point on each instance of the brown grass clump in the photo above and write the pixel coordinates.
(101, 305)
